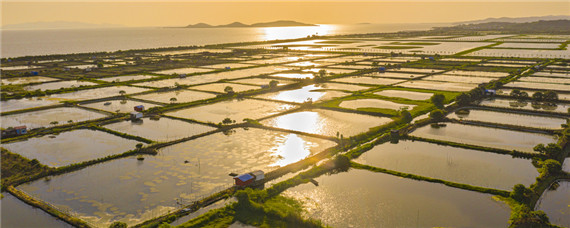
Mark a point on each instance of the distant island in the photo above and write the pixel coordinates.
(256, 25)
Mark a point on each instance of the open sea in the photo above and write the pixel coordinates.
(17, 43)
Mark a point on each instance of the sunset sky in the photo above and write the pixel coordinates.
(179, 13)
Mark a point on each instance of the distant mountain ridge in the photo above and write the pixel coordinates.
(281, 23)
(516, 19)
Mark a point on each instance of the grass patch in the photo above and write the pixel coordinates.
(16, 167)
(477, 49)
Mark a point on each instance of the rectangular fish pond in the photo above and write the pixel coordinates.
(71, 147)
(326, 122)
(454, 164)
(485, 136)
(361, 198)
(132, 191)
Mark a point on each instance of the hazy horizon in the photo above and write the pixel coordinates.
(182, 13)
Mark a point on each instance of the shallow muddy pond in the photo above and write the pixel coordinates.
(515, 104)
(164, 129)
(71, 147)
(552, 74)
(326, 122)
(304, 64)
(17, 214)
(24, 103)
(132, 191)
(405, 94)
(44, 118)
(546, 79)
(312, 92)
(511, 119)
(123, 106)
(477, 73)
(485, 136)
(417, 70)
(126, 78)
(373, 103)
(360, 198)
(329, 71)
(188, 70)
(367, 80)
(294, 75)
(234, 109)
(58, 85)
(226, 65)
(220, 87)
(395, 75)
(180, 96)
(536, 85)
(457, 78)
(95, 93)
(26, 80)
(263, 81)
(556, 204)
(454, 164)
(448, 86)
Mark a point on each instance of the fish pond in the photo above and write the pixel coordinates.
(45, 118)
(405, 94)
(485, 136)
(133, 191)
(511, 119)
(236, 109)
(163, 129)
(326, 122)
(555, 202)
(360, 198)
(315, 93)
(454, 164)
(71, 147)
(180, 96)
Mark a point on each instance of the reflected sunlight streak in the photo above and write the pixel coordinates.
(279, 33)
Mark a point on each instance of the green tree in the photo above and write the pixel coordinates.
(463, 99)
(550, 150)
(273, 83)
(122, 93)
(520, 193)
(437, 114)
(550, 96)
(438, 99)
(139, 146)
(118, 224)
(538, 96)
(54, 123)
(173, 100)
(228, 121)
(550, 167)
(406, 115)
(229, 90)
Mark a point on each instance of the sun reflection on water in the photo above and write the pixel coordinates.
(275, 33)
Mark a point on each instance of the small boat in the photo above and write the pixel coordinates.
(107, 103)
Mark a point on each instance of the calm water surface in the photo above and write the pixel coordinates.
(453, 164)
(17, 214)
(360, 198)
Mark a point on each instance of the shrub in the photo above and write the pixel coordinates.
(438, 99)
(437, 114)
(118, 225)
